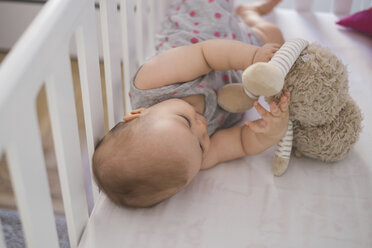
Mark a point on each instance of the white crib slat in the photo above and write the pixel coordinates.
(151, 22)
(161, 7)
(60, 94)
(88, 60)
(128, 44)
(139, 32)
(341, 7)
(109, 14)
(303, 5)
(30, 184)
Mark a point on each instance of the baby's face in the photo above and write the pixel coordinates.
(181, 130)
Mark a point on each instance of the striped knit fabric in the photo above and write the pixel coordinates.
(285, 144)
(285, 57)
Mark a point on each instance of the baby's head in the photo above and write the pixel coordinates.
(152, 155)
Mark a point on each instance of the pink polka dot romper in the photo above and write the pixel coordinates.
(192, 21)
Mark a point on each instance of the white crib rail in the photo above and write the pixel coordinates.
(140, 20)
(137, 21)
(30, 182)
(63, 118)
(42, 55)
(127, 17)
(87, 50)
(112, 58)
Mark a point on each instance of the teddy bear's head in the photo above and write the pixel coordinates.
(318, 83)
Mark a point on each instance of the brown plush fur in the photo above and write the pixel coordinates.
(332, 141)
(327, 122)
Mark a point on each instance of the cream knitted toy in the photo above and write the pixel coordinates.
(327, 112)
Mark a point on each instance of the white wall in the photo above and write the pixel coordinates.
(14, 19)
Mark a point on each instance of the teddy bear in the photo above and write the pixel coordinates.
(324, 121)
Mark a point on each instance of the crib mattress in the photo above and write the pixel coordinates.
(241, 204)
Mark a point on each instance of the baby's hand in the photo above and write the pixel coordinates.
(274, 124)
(266, 52)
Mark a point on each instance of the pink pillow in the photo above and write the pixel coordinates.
(360, 21)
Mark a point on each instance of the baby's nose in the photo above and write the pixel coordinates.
(203, 125)
(202, 119)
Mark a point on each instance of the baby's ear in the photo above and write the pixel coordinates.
(137, 111)
(133, 114)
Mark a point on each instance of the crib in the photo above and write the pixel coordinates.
(235, 204)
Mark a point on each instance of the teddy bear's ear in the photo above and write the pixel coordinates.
(318, 86)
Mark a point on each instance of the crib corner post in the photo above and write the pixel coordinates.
(341, 7)
(303, 5)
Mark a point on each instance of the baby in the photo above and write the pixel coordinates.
(177, 128)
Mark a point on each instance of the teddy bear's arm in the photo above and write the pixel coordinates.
(283, 152)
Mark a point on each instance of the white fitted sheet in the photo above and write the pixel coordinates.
(241, 203)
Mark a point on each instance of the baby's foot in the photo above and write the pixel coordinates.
(262, 7)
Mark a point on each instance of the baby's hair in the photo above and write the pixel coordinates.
(123, 172)
(112, 131)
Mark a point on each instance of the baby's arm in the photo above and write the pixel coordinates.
(252, 138)
(186, 63)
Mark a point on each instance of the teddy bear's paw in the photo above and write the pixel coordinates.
(263, 79)
(232, 98)
(280, 165)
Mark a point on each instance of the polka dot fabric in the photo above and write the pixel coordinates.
(190, 22)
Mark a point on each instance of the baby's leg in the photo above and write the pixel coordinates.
(252, 16)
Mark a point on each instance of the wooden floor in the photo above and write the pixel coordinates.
(7, 199)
